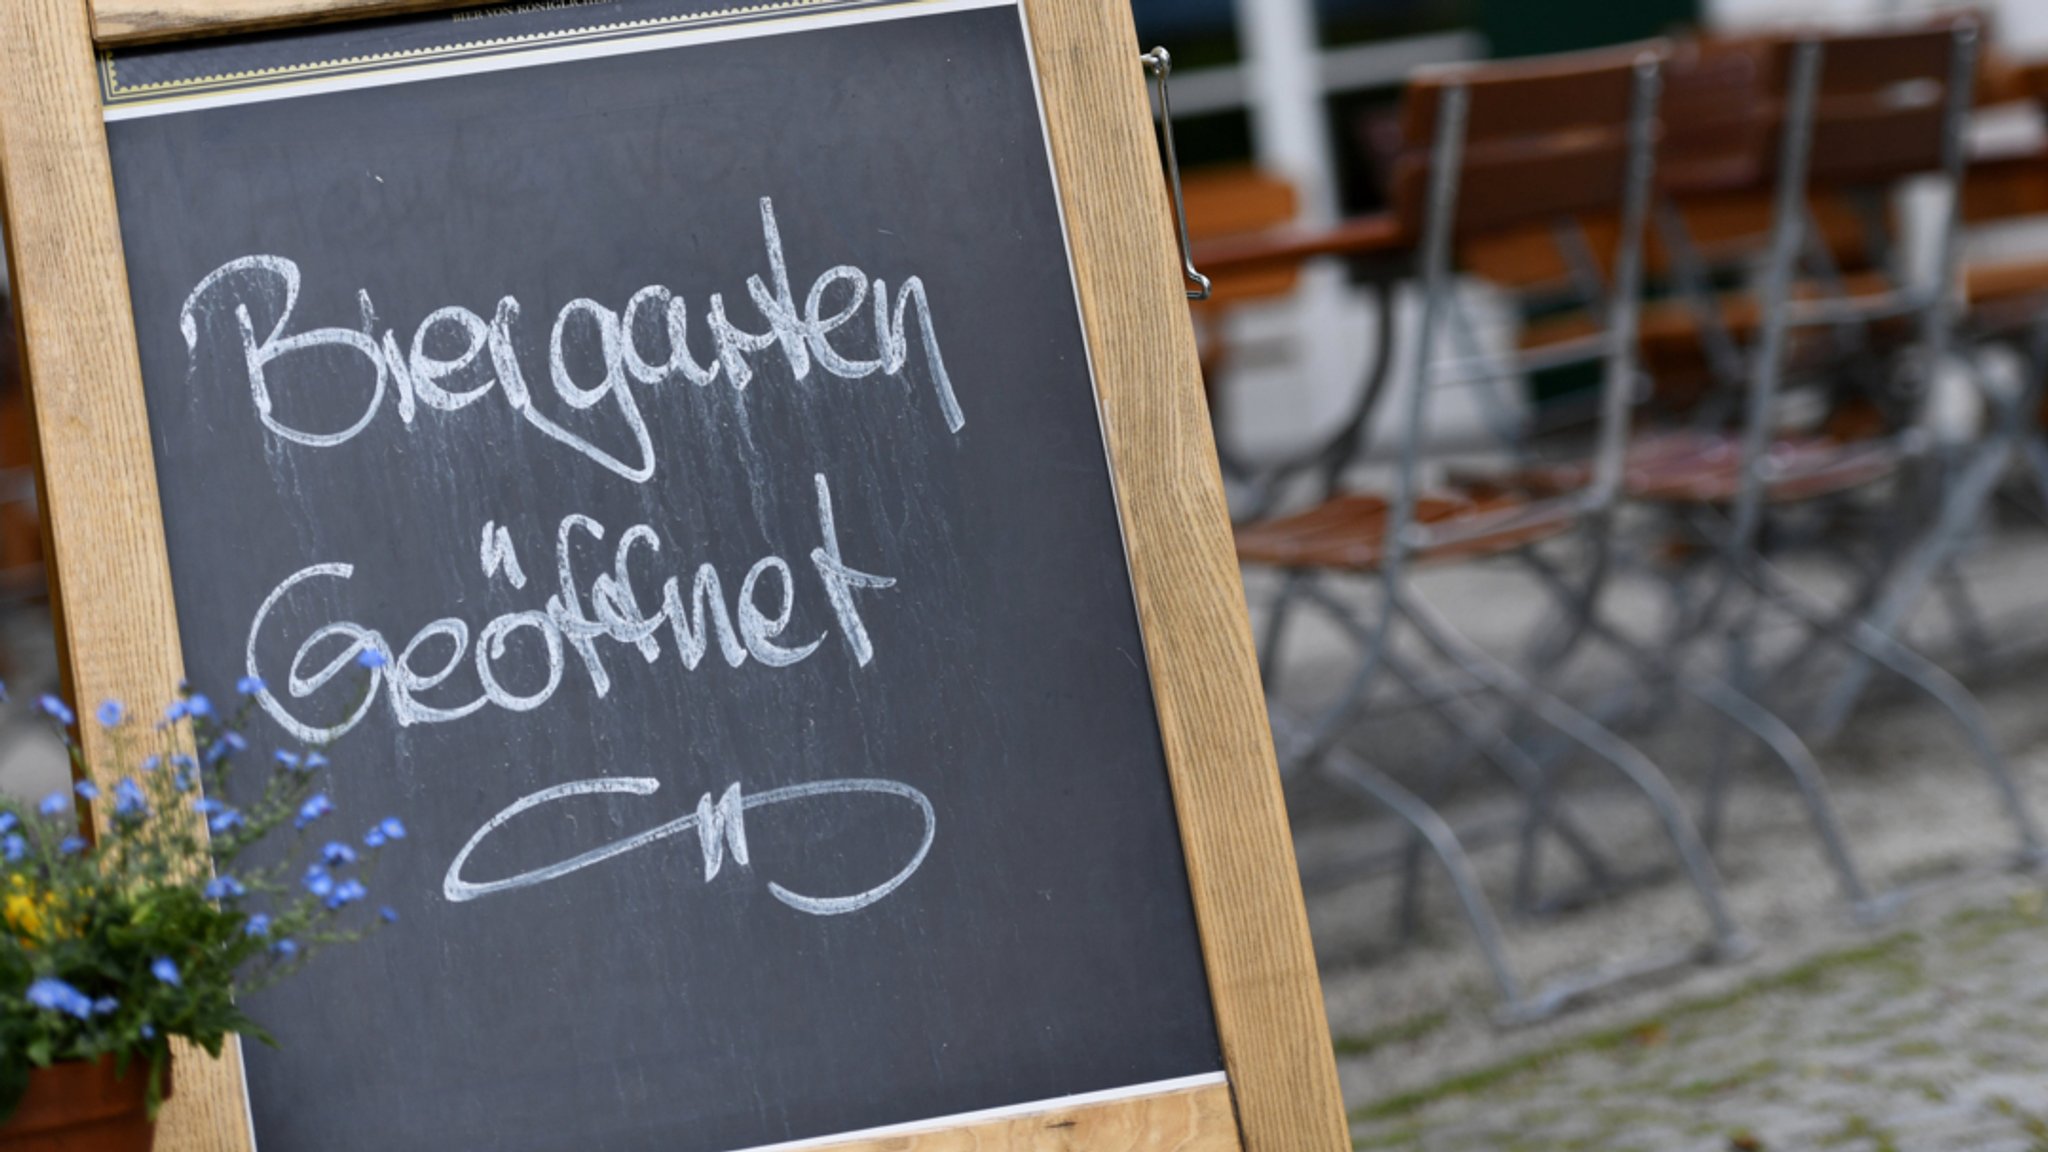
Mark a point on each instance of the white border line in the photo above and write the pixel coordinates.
(1008, 1111)
(540, 56)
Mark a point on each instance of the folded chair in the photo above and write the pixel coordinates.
(2000, 301)
(1508, 144)
(1711, 161)
(1854, 113)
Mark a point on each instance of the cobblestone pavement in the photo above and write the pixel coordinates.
(1925, 1037)
(1929, 1032)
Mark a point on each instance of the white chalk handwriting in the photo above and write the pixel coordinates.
(645, 344)
(720, 826)
(693, 613)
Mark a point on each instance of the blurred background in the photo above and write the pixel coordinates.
(1795, 903)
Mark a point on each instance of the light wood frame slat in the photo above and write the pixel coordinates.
(120, 628)
(119, 22)
(1198, 639)
(104, 520)
(1191, 1120)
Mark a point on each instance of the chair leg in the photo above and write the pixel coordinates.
(1580, 601)
(1328, 726)
(1869, 584)
(1728, 939)
(1960, 511)
(1728, 696)
(1721, 768)
(1434, 831)
(1806, 775)
(1276, 626)
(2036, 452)
(1968, 619)
(1477, 730)
(1882, 647)
(1470, 723)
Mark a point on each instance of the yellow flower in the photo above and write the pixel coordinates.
(28, 915)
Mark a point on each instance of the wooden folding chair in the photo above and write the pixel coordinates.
(1856, 114)
(1493, 147)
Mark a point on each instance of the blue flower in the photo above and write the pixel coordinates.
(72, 845)
(183, 760)
(346, 893)
(152, 762)
(14, 847)
(337, 854)
(55, 804)
(110, 714)
(286, 948)
(318, 882)
(87, 790)
(166, 970)
(105, 1006)
(258, 925)
(129, 801)
(8, 821)
(225, 888)
(207, 805)
(388, 914)
(198, 705)
(177, 711)
(288, 759)
(230, 742)
(314, 809)
(249, 685)
(225, 822)
(374, 838)
(54, 995)
(55, 709)
(315, 760)
(391, 828)
(371, 658)
(149, 1032)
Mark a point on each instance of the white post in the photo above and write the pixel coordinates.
(1291, 138)
(1284, 89)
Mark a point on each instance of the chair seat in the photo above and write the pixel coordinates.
(2005, 295)
(1706, 467)
(1350, 531)
(1672, 324)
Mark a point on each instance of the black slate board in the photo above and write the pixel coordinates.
(1045, 943)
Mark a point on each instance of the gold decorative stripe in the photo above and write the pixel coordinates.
(112, 91)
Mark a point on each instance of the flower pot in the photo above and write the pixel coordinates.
(81, 1106)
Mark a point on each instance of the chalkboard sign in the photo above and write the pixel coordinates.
(692, 408)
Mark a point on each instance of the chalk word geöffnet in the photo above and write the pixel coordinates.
(694, 620)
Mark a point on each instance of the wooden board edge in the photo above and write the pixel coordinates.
(1198, 640)
(118, 23)
(1185, 1120)
(103, 517)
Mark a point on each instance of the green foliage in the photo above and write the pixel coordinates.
(111, 947)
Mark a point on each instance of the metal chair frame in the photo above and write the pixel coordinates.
(1743, 585)
(1406, 537)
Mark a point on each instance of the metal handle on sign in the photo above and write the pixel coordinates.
(1159, 62)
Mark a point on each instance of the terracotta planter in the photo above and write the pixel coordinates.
(83, 1107)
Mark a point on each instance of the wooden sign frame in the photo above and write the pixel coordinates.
(119, 632)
